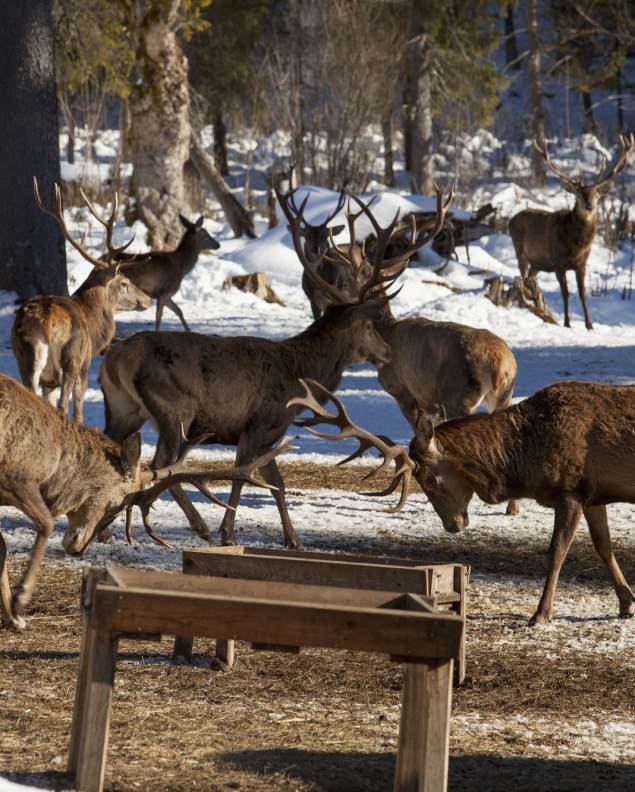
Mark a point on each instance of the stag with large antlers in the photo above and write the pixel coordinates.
(559, 241)
(235, 389)
(570, 447)
(439, 367)
(55, 338)
(51, 465)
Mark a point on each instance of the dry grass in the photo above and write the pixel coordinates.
(319, 720)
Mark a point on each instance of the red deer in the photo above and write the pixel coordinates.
(51, 465)
(235, 389)
(559, 241)
(159, 273)
(569, 447)
(55, 338)
(438, 367)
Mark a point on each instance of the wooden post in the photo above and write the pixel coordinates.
(424, 729)
(94, 718)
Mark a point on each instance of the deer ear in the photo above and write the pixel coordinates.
(131, 453)
(186, 223)
(199, 222)
(335, 230)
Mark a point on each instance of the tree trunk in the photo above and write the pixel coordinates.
(159, 110)
(512, 60)
(389, 158)
(537, 113)
(420, 64)
(236, 215)
(32, 252)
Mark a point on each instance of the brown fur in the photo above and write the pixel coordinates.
(559, 241)
(570, 447)
(51, 465)
(159, 273)
(55, 338)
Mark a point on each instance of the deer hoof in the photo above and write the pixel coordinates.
(512, 507)
(627, 611)
(16, 623)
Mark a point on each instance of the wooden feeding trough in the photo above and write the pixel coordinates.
(133, 604)
(446, 583)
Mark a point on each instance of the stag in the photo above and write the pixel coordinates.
(547, 241)
(159, 273)
(437, 367)
(51, 465)
(55, 338)
(235, 389)
(570, 447)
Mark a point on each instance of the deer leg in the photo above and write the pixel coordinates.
(599, 529)
(6, 608)
(166, 453)
(579, 276)
(564, 289)
(175, 308)
(566, 520)
(271, 474)
(80, 387)
(27, 498)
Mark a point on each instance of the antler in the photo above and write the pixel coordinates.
(178, 474)
(295, 218)
(404, 465)
(385, 271)
(58, 214)
(627, 143)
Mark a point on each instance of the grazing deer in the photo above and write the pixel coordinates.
(570, 447)
(51, 465)
(235, 389)
(159, 273)
(55, 338)
(437, 367)
(547, 241)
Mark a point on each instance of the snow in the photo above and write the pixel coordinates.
(546, 353)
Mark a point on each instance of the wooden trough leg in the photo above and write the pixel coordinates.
(225, 651)
(183, 646)
(92, 710)
(424, 729)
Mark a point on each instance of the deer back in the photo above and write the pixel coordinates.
(77, 470)
(447, 368)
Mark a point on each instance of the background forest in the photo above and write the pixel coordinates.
(341, 89)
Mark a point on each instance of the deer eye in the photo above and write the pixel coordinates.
(431, 481)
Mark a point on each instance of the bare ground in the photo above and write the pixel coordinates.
(321, 720)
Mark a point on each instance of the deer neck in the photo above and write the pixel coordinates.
(99, 316)
(320, 352)
(186, 254)
(487, 451)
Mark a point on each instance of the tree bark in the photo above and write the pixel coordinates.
(32, 251)
(537, 113)
(237, 217)
(420, 64)
(159, 111)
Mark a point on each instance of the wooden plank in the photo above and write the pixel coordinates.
(248, 587)
(424, 729)
(406, 633)
(370, 572)
(95, 720)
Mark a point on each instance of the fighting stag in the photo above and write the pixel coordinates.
(159, 273)
(55, 338)
(569, 447)
(236, 389)
(547, 241)
(51, 465)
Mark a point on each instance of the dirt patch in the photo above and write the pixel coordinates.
(528, 717)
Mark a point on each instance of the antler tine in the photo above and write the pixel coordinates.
(108, 224)
(627, 142)
(542, 150)
(200, 479)
(310, 266)
(404, 465)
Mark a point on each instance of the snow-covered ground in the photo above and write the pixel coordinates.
(546, 353)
